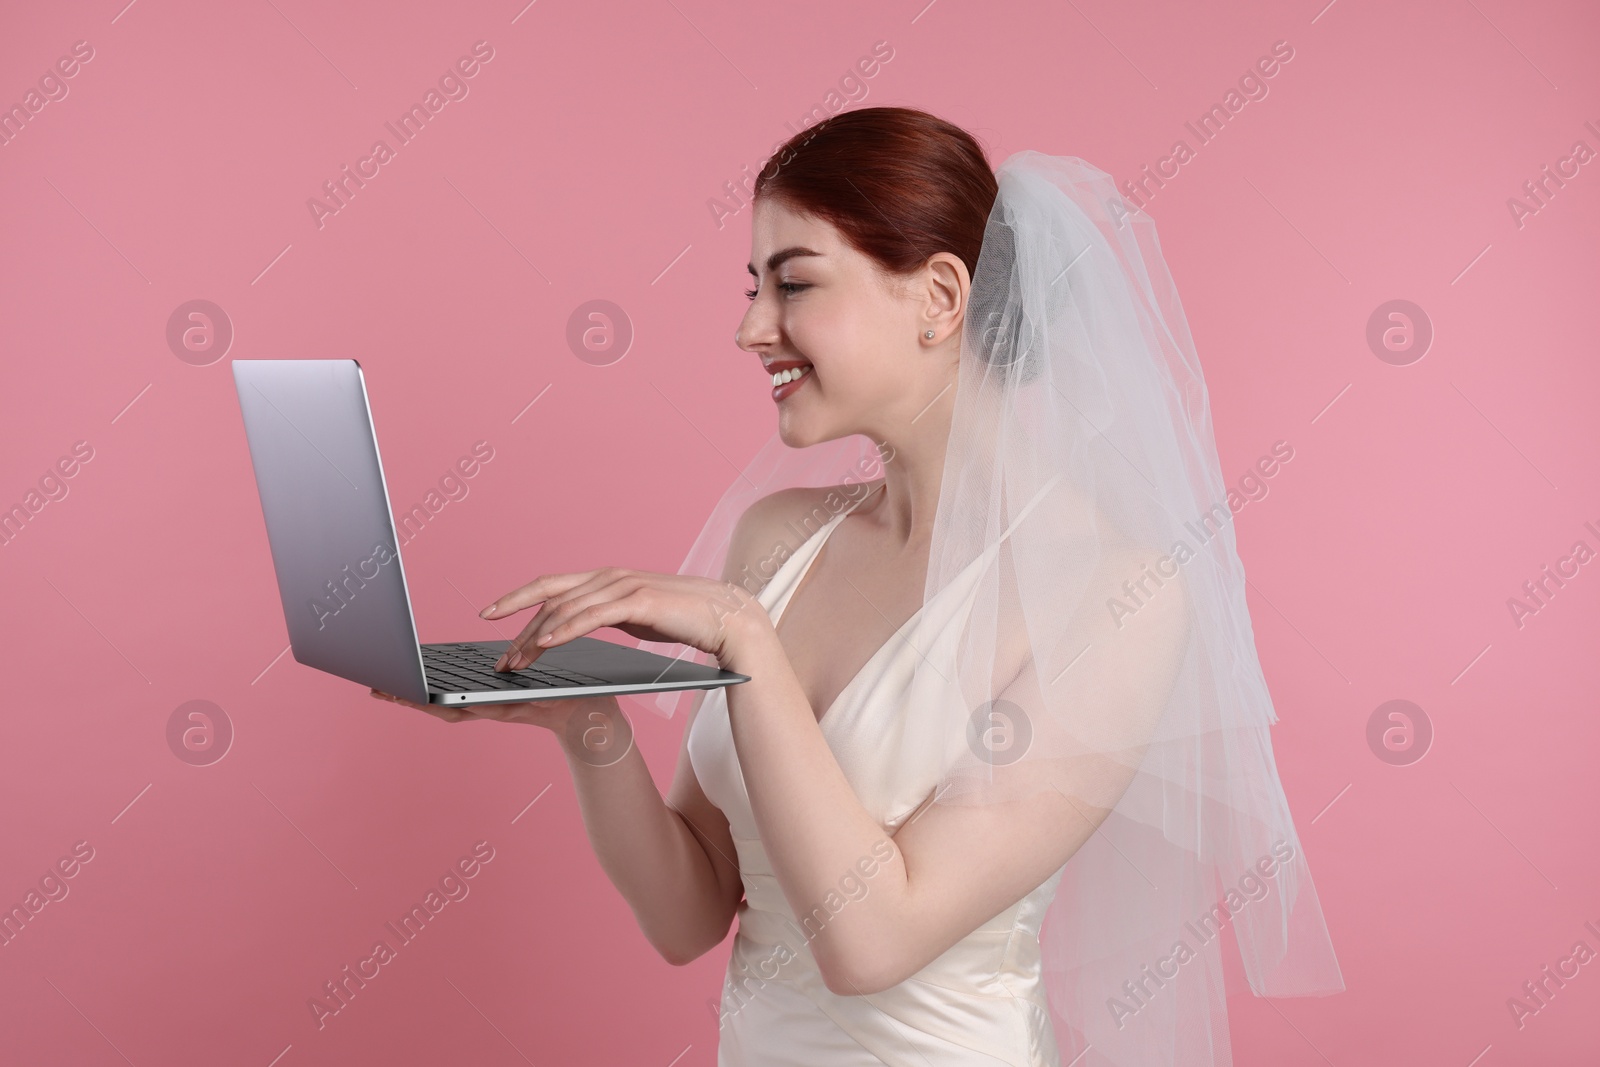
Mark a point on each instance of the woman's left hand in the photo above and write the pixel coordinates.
(714, 617)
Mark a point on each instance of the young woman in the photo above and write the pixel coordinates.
(1009, 677)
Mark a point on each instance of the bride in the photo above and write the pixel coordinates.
(1001, 784)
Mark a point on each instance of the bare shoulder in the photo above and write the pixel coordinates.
(774, 527)
(1149, 581)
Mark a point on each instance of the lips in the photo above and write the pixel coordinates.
(788, 375)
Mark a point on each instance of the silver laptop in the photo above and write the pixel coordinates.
(338, 559)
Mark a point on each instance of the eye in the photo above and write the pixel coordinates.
(788, 287)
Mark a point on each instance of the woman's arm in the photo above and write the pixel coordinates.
(675, 861)
(671, 860)
(950, 867)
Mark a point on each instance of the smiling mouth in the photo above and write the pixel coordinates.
(789, 375)
(786, 381)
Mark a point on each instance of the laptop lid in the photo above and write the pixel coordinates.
(328, 521)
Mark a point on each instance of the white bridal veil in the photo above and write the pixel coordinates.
(1107, 651)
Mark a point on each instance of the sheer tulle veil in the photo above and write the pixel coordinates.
(1107, 650)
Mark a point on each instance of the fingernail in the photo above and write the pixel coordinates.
(545, 640)
(484, 614)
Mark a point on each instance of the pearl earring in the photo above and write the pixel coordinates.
(929, 335)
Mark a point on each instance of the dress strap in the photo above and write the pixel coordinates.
(811, 548)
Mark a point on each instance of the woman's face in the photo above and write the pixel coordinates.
(854, 335)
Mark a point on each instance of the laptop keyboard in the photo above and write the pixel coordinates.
(470, 669)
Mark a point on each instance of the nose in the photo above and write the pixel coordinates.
(758, 327)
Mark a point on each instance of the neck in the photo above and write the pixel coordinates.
(915, 449)
(913, 470)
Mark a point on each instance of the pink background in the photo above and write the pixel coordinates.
(220, 898)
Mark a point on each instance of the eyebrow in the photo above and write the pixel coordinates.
(777, 259)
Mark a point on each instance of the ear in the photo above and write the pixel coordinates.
(945, 288)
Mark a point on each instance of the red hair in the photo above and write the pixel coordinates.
(898, 183)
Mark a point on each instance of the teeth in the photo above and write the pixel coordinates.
(784, 376)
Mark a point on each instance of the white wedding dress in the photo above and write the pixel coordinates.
(980, 1004)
